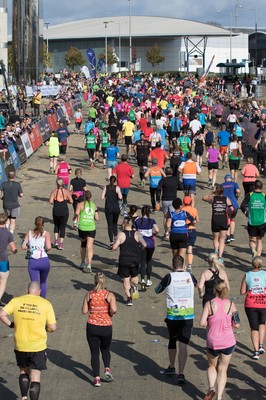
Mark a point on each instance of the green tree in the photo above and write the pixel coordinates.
(10, 58)
(111, 56)
(73, 58)
(46, 57)
(153, 56)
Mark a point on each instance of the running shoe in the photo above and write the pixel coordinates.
(129, 301)
(125, 214)
(97, 381)
(82, 265)
(256, 355)
(167, 236)
(143, 285)
(189, 268)
(168, 371)
(232, 238)
(227, 240)
(210, 395)
(110, 246)
(261, 349)
(135, 292)
(221, 260)
(148, 282)
(181, 379)
(55, 245)
(87, 269)
(2, 304)
(61, 246)
(108, 376)
(254, 253)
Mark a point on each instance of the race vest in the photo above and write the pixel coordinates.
(257, 209)
(180, 296)
(86, 218)
(155, 176)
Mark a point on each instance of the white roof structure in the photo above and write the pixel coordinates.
(141, 26)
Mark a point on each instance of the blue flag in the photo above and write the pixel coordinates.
(100, 64)
(92, 61)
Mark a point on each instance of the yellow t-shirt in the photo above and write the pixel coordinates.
(31, 314)
(128, 128)
(163, 104)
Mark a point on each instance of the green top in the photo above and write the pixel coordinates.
(86, 217)
(92, 112)
(105, 140)
(53, 148)
(90, 141)
(257, 209)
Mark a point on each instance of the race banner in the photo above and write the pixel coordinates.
(26, 144)
(46, 91)
(3, 177)
(204, 76)
(44, 129)
(68, 108)
(14, 156)
(7, 162)
(52, 120)
(92, 61)
(20, 150)
(35, 137)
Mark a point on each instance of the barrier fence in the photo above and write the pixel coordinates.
(29, 142)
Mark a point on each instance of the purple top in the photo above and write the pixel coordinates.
(213, 155)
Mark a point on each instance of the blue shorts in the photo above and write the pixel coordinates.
(124, 191)
(226, 352)
(192, 236)
(4, 266)
(111, 164)
(189, 189)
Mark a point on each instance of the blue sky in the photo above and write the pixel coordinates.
(242, 12)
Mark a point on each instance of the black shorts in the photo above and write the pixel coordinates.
(216, 227)
(256, 317)
(213, 165)
(180, 330)
(128, 140)
(226, 352)
(233, 215)
(192, 236)
(34, 360)
(234, 164)
(98, 143)
(85, 234)
(256, 231)
(178, 241)
(199, 151)
(142, 162)
(126, 272)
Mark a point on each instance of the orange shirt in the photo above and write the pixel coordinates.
(99, 309)
(192, 211)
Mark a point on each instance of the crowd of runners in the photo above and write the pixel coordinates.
(165, 131)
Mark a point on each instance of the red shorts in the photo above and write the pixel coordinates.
(223, 150)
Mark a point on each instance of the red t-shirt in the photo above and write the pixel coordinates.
(143, 123)
(160, 155)
(123, 172)
(147, 132)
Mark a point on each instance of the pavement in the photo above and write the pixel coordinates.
(139, 347)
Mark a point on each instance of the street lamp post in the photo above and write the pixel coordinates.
(47, 43)
(106, 64)
(130, 37)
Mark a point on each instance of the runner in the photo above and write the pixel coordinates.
(129, 242)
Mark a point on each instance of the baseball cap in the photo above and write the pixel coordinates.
(228, 176)
(187, 200)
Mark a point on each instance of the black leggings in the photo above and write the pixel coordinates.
(155, 193)
(112, 219)
(99, 339)
(248, 187)
(60, 223)
(145, 264)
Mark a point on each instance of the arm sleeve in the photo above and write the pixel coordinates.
(163, 284)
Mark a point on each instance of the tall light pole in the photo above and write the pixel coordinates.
(119, 41)
(130, 37)
(47, 43)
(106, 64)
(256, 31)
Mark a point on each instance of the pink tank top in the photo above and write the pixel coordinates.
(63, 172)
(220, 333)
(250, 171)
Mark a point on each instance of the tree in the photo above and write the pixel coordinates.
(73, 58)
(10, 58)
(153, 56)
(46, 56)
(111, 56)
